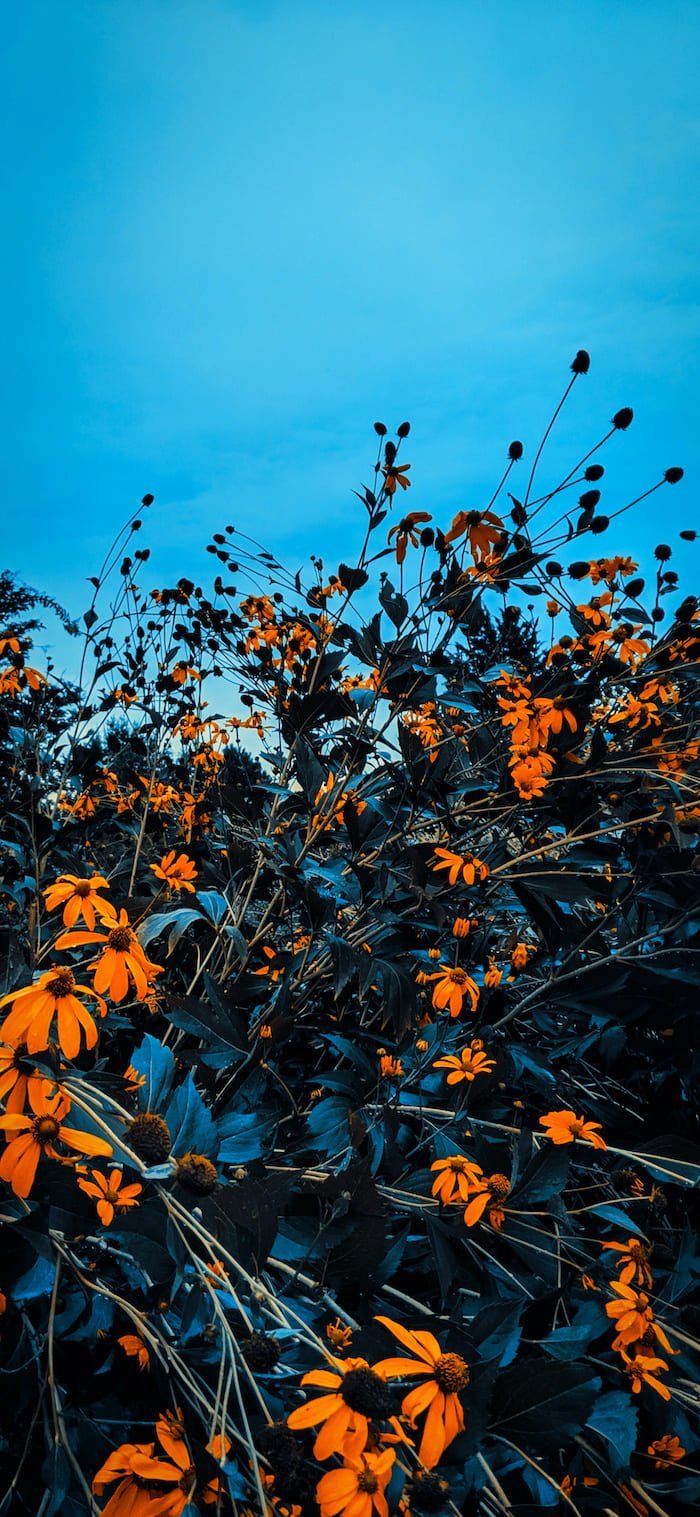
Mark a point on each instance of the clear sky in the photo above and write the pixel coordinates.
(239, 231)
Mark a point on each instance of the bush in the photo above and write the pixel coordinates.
(347, 1044)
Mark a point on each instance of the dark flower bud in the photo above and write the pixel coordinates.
(380, 428)
(589, 499)
(634, 587)
(427, 537)
(581, 363)
(594, 471)
(579, 570)
(515, 451)
(689, 536)
(261, 1352)
(149, 1136)
(662, 552)
(147, 500)
(600, 524)
(229, 529)
(672, 476)
(219, 537)
(390, 453)
(404, 429)
(623, 419)
(518, 513)
(658, 614)
(553, 569)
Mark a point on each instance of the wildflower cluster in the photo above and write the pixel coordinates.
(347, 1048)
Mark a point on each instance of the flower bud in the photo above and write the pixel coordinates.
(623, 419)
(594, 471)
(380, 428)
(662, 552)
(515, 451)
(672, 476)
(600, 524)
(581, 363)
(404, 429)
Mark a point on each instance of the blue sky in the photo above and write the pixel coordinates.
(239, 231)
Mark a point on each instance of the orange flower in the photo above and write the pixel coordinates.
(634, 1259)
(492, 977)
(405, 532)
(38, 1134)
(354, 1393)
(452, 987)
(667, 1450)
(457, 1178)
(444, 1376)
(150, 1486)
(565, 1127)
(338, 1334)
(634, 1317)
(482, 529)
(121, 961)
(35, 1006)
(472, 1061)
(642, 1370)
(466, 865)
(79, 898)
(18, 1077)
(520, 956)
(176, 872)
(358, 1488)
(394, 475)
(390, 1068)
(492, 1190)
(462, 926)
(111, 1196)
(134, 1347)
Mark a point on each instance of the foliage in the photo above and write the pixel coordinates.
(347, 1041)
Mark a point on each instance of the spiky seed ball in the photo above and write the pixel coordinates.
(149, 1136)
(197, 1173)
(261, 1352)
(365, 1392)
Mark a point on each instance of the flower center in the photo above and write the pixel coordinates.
(459, 1165)
(452, 1372)
(83, 889)
(365, 1392)
(45, 1130)
(367, 1481)
(120, 938)
(498, 1186)
(61, 984)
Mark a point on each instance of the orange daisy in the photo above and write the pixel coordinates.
(35, 1006)
(456, 1179)
(122, 960)
(150, 1486)
(642, 1369)
(466, 866)
(443, 1375)
(452, 987)
(176, 871)
(18, 1077)
(36, 1135)
(634, 1258)
(354, 1394)
(111, 1196)
(358, 1488)
(564, 1127)
(472, 1061)
(667, 1451)
(79, 898)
